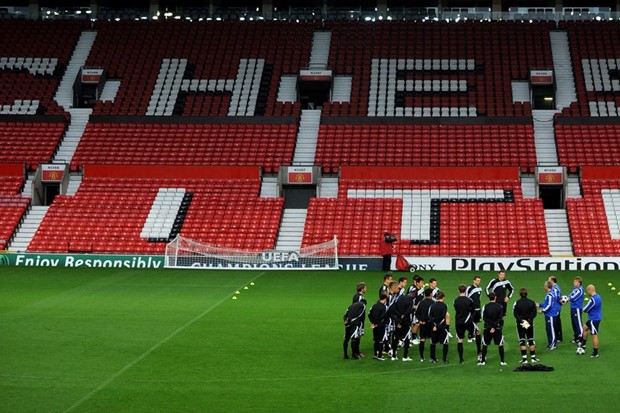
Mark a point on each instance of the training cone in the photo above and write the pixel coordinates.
(234, 297)
(609, 284)
(237, 292)
(245, 288)
(613, 288)
(252, 283)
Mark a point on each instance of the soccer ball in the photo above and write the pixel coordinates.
(564, 299)
(581, 350)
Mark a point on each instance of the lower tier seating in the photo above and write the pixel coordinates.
(267, 145)
(12, 208)
(107, 215)
(444, 218)
(594, 220)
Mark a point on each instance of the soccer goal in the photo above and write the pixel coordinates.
(186, 253)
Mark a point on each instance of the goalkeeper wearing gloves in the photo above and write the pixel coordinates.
(524, 311)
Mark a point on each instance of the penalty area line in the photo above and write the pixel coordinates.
(153, 348)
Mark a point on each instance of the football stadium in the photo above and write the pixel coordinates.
(191, 193)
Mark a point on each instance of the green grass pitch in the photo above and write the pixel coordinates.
(95, 340)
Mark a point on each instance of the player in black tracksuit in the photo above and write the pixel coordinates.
(439, 319)
(493, 317)
(421, 314)
(464, 317)
(378, 321)
(502, 288)
(474, 292)
(403, 315)
(353, 319)
(524, 311)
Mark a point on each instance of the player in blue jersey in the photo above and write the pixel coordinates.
(594, 309)
(548, 308)
(576, 303)
(558, 306)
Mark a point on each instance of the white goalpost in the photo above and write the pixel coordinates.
(186, 253)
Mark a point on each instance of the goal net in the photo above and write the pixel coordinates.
(186, 253)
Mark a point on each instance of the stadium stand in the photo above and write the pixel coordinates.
(466, 51)
(267, 145)
(109, 211)
(245, 58)
(460, 211)
(29, 142)
(431, 145)
(12, 205)
(595, 219)
(34, 56)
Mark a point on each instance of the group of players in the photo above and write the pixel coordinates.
(415, 314)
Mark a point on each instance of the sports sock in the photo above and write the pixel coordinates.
(445, 352)
(406, 348)
(484, 353)
(378, 347)
(345, 347)
(355, 347)
(433, 350)
(594, 350)
(501, 353)
(478, 343)
(523, 354)
(459, 347)
(421, 347)
(533, 354)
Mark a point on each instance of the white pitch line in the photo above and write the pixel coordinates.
(153, 348)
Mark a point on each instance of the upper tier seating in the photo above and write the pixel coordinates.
(33, 56)
(246, 58)
(10, 185)
(595, 219)
(430, 217)
(427, 145)
(107, 215)
(29, 142)
(268, 145)
(487, 55)
(595, 55)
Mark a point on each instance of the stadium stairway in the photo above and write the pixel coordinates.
(329, 187)
(27, 189)
(73, 134)
(341, 91)
(558, 234)
(26, 231)
(287, 91)
(64, 94)
(75, 180)
(528, 186)
(573, 189)
(305, 146)
(319, 53)
(269, 187)
(544, 138)
(110, 89)
(563, 69)
(291, 229)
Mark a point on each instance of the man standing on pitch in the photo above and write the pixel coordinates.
(378, 320)
(385, 287)
(549, 309)
(440, 320)
(353, 319)
(464, 314)
(524, 311)
(493, 317)
(558, 307)
(421, 314)
(576, 303)
(502, 288)
(594, 309)
(474, 292)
